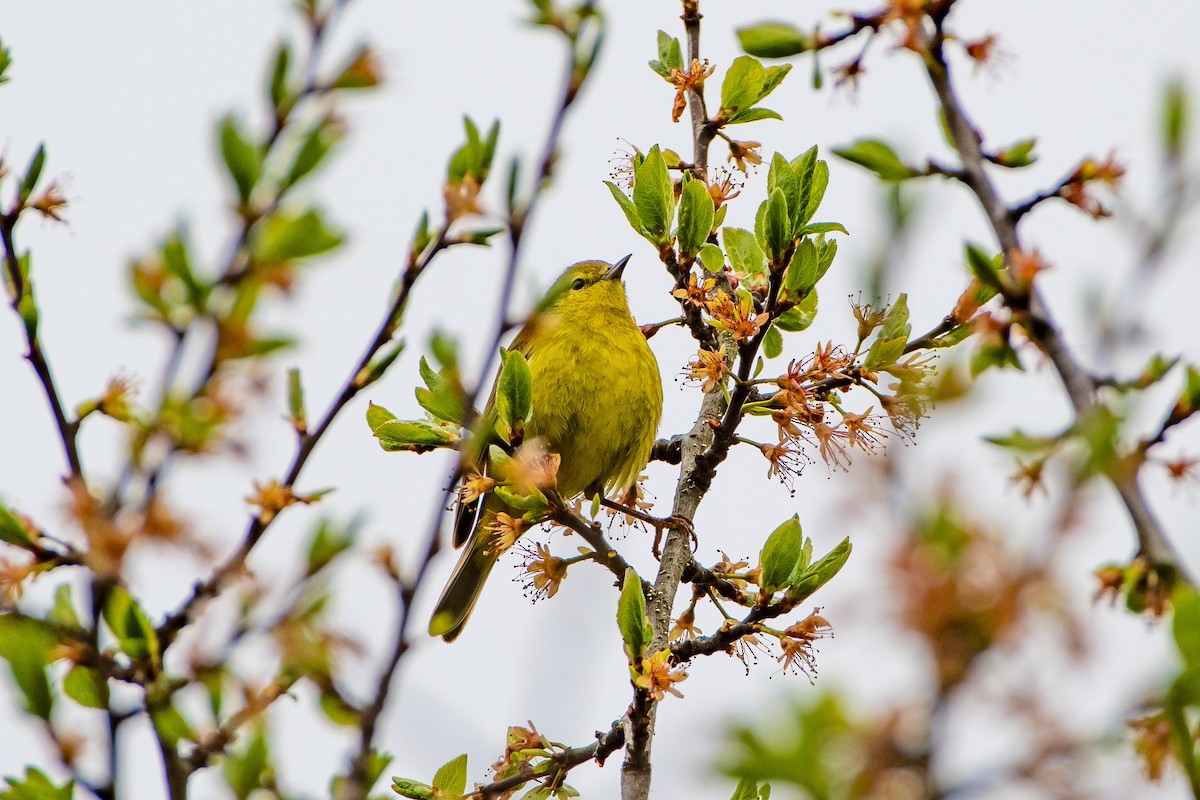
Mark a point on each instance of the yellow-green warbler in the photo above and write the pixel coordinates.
(596, 402)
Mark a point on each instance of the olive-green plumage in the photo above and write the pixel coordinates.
(597, 399)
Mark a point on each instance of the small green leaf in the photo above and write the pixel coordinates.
(1023, 442)
(415, 790)
(878, 157)
(86, 686)
(772, 343)
(776, 229)
(35, 785)
(32, 173)
(780, 554)
(984, 267)
(801, 275)
(277, 83)
(752, 115)
(296, 398)
(654, 197)
(327, 543)
(245, 770)
(743, 84)
(11, 529)
(631, 616)
(63, 612)
(25, 643)
(284, 237)
(711, 257)
(670, 56)
(316, 145)
(800, 316)
(128, 622)
(243, 159)
(695, 217)
(814, 186)
(418, 435)
(820, 573)
(818, 228)
(514, 393)
(1017, 155)
(1186, 624)
(745, 255)
(451, 777)
(773, 40)
(1175, 118)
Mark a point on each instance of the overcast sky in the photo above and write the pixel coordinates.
(126, 96)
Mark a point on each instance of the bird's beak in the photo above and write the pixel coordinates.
(614, 274)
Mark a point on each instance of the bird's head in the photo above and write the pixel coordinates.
(587, 287)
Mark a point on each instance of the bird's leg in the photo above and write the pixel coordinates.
(673, 522)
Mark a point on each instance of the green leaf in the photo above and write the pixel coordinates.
(514, 393)
(743, 84)
(451, 777)
(1017, 155)
(243, 159)
(813, 193)
(776, 229)
(628, 207)
(893, 336)
(417, 436)
(771, 80)
(1175, 118)
(772, 343)
(780, 554)
(26, 644)
(753, 115)
(818, 228)
(379, 365)
(327, 543)
(337, 710)
(277, 83)
(128, 622)
(654, 197)
(631, 616)
(984, 267)
(86, 686)
(377, 415)
(773, 40)
(878, 157)
(801, 275)
(284, 237)
(32, 173)
(820, 573)
(316, 145)
(406, 787)
(62, 613)
(444, 399)
(5, 62)
(695, 217)
(670, 56)
(296, 397)
(36, 785)
(1023, 442)
(244, 771)
(711, 257)
(744, 253)
(780, 175)
(11, 529)
(1186, 624)
(800, 316)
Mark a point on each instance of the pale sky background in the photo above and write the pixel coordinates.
(126, 97)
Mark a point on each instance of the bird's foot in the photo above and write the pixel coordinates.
(660, 524)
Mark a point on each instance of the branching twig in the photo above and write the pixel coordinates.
(1033, 315)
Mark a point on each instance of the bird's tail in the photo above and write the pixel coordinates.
(462, 591)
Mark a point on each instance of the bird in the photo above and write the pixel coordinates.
(596, 403)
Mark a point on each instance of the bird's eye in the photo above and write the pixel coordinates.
(577, 284)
